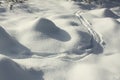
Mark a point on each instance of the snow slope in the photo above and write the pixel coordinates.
(48, 40)
(5, 44)
(10, 70)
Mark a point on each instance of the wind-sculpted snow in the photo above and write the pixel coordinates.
(10, 70)
(9, 45)
(45, 40)
(48, 28)
(107, 25)
(98, 40)
(45, 33)
(104, 13)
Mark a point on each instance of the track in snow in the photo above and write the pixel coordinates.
(95, 35)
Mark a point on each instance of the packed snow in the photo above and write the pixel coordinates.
(59, 40)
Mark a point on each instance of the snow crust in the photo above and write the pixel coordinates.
(59, 40)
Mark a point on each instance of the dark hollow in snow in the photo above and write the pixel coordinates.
(2, 10)
(48, 28)
(88, 42)
(109, 13)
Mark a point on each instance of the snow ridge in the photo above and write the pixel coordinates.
(95, 35)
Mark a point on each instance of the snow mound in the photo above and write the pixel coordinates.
(48, 28)
(44, 36)
(62, 48)
(10, 45)
(110, 31)
(10, 70)
(103, 13)
(99, 13)
(105, 22)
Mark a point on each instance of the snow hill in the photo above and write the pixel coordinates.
(5, 44)
(10, 70)
(59, 40)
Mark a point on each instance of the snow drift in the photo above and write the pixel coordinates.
(62, 47)
(47, 37)
(106, 23)
(8, 45)
(10, 70)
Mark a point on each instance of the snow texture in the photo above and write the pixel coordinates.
(59, 40)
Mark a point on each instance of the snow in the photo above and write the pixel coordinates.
(10, 70)
(5, 44)
(59, 40)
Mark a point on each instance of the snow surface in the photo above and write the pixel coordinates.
(59, 40)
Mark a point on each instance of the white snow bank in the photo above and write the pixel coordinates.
(53, 29)
(99, 13)
(104, 12)
(10, 70)
(43, 35)
(105, 22)
(93, 67)
(86, 72)
(110, 31)
(8, 45)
